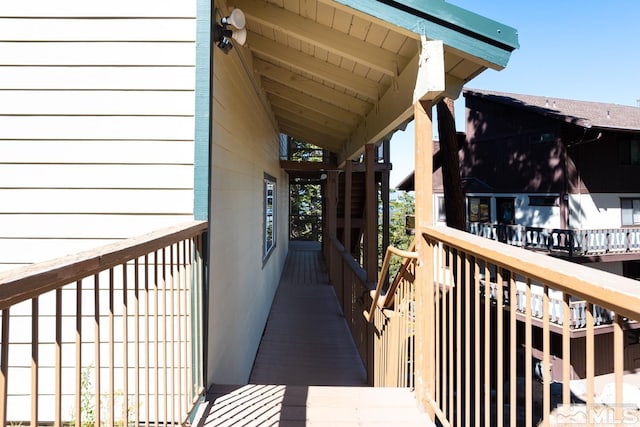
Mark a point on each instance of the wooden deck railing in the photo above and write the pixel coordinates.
(485, 362)
(382, 321)
(111, 336)
(570, 242)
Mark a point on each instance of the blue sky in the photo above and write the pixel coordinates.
(587, 50)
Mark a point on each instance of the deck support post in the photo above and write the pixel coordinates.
(371, 215)
(370, 245)
(384, 192)
(331, 222)
(425, 346)
(346, 229)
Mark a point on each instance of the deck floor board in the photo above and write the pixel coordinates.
(307, 340)
(308, 371)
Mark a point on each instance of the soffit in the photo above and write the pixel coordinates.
(336, 76)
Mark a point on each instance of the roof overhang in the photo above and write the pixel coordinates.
(346, 73)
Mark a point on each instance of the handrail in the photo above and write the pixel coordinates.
(481, 345)
(409, 255)
(348, 259)
(139, 283)
(602, 288)
(27, 282)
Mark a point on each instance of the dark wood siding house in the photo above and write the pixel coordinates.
(557, 164)
(560, 175)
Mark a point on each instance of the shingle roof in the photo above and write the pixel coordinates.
(582, 113)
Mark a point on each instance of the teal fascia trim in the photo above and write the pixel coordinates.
(202, 112)
(456, 27)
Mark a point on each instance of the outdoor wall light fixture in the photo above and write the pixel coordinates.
(222, 35)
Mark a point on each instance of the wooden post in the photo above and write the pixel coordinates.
(346, 238)
(371, 216)
(331, 221)
(370, 245)
(346, 233)
(386, 154)
(453, 194)
(425, 347)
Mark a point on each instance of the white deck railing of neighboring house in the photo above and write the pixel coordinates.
(572, 242)
(111, 336)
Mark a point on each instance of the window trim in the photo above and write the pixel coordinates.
(633, 201)
(629, 151)
(479, 215)
(269, 215)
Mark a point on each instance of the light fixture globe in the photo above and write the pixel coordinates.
(236, 19)
(240, 36)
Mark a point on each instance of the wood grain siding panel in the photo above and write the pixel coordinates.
(114, 8)
(78, 30)
(31, 226)
(96, 103)
(97, 151)
(92, 127)
(97, 176)
(97, 78)
(96, 123)
(97, 53)
(95, 200)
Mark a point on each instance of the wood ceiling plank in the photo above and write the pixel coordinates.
(302, 84)
(312, 32)
(339, 128)
(311, 136)
(308, 120)
(310, 102)
(313, 66)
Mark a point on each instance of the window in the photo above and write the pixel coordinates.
(479, 209)
(629, 151)
(630, 211)
(543, 201)
(441, 213)
(269, 232)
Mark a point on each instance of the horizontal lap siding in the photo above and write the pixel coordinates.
(96, 123)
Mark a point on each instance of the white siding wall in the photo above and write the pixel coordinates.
(96, 123)
(245, 147)
(599, 210)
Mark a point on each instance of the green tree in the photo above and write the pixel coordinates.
(402, 204)
(301, 151)
(305, 209)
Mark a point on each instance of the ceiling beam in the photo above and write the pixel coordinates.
(329, 123)
(311, 102)
(309, 124)
(310, 135)
(322, 36)
(313, 66)
(306, 85)
(295, 166)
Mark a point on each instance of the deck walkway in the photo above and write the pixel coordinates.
(307, 371)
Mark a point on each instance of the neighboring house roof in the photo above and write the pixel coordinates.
(582, 113)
